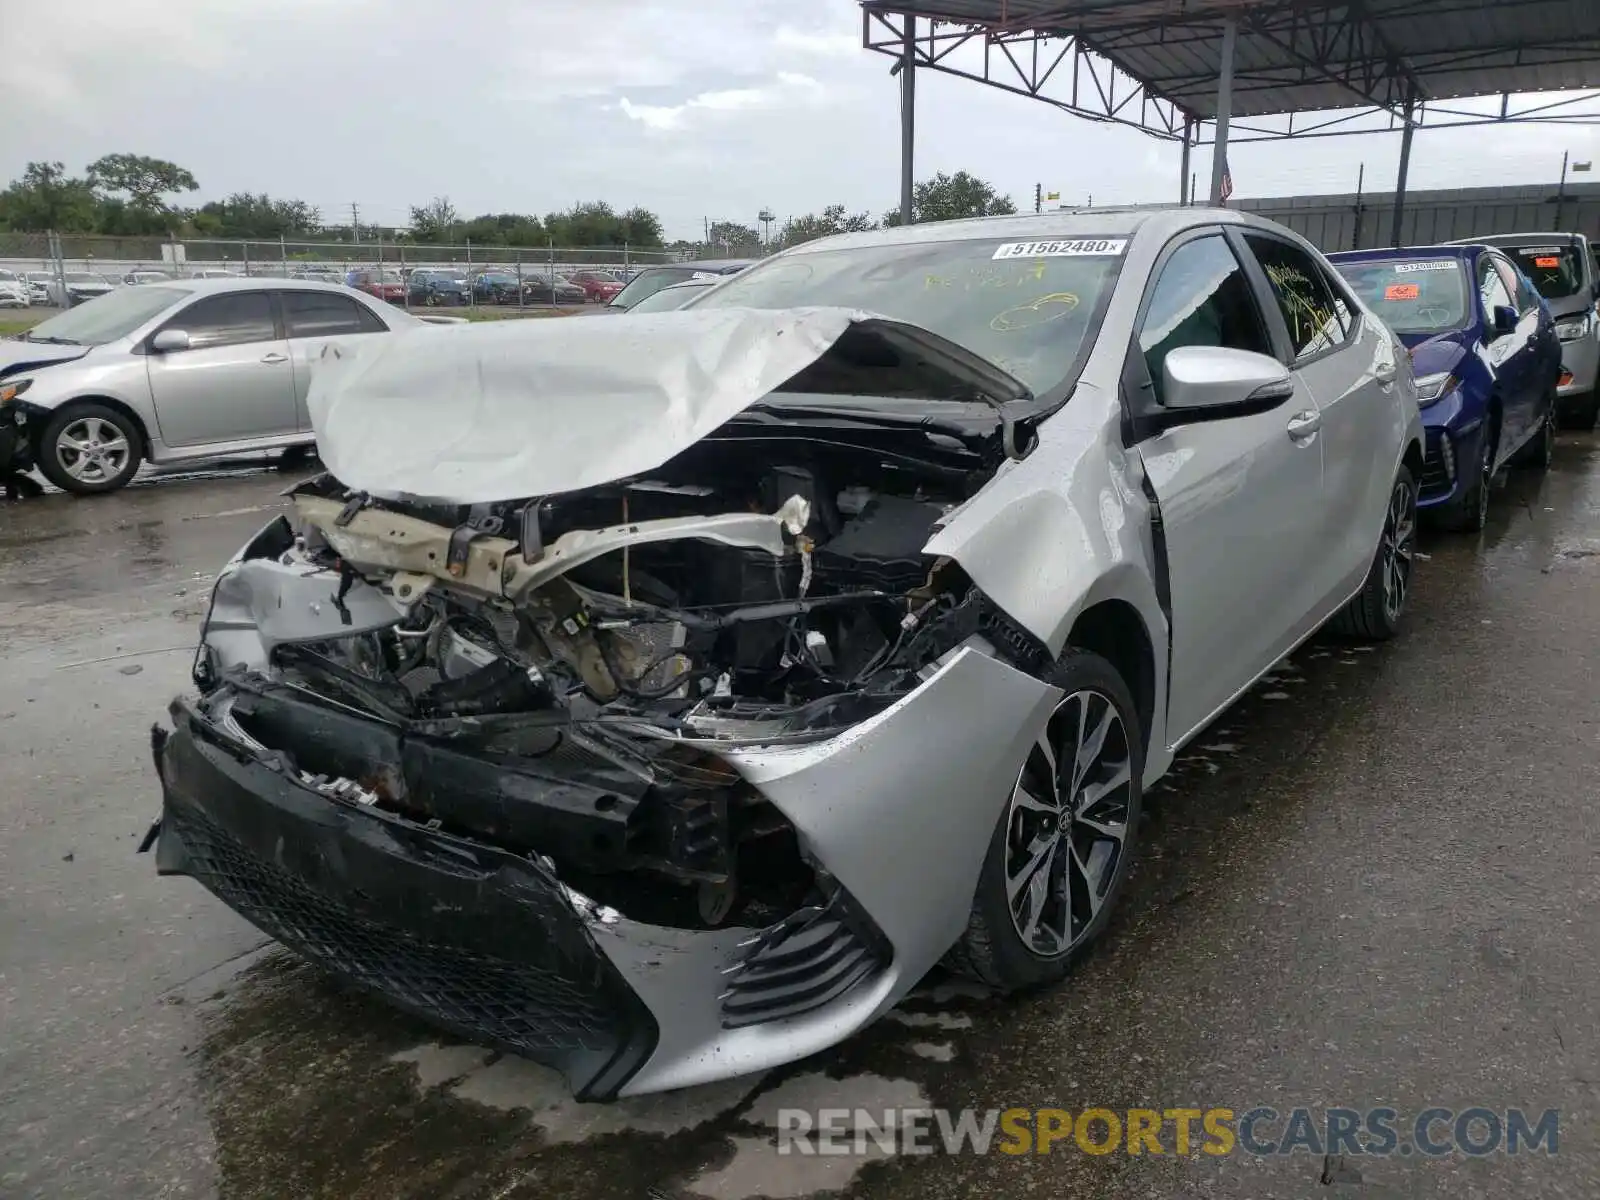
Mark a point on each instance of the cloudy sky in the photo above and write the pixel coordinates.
(693, 108)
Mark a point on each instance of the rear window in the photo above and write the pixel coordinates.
(1411, 295)
(1557, 271)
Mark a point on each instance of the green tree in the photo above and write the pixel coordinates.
(730, 237)
(640, 227)
(828, 222)
(47, 198)
(142, 183)
(243, 215)
(434, 221)
(949, 197)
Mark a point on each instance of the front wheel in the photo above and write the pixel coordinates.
(1064, 843)
(1469, 512)
(89, 449)
(1373, 614)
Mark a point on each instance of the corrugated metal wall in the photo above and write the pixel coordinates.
(1434, 216)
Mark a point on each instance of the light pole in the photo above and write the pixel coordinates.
(1561, 191)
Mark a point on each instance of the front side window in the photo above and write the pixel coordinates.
(325, 314)
(234, 319)
(1304, 296)
(1492, 289)
(1201, 298)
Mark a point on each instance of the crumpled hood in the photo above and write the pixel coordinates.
(17, 357)
(508, 409)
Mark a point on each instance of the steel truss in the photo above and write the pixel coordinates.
(1080, 74)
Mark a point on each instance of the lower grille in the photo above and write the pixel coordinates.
(811, 957)
(532, 1010)
(1436, 476)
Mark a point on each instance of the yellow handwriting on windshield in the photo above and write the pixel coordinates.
(988, 277)
(1052, 306)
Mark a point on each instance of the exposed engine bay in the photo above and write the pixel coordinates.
(555, 675)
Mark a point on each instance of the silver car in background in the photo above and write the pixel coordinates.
(1562, 270)
(171, 371)
(661, 699)
(14, 291)
(77, 287)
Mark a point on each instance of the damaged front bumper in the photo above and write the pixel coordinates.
(897, 811)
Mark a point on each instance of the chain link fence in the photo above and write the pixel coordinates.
(519, 276)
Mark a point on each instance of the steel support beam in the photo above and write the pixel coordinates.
(1183, 169)
(1219, 150)
(908, 116)
(1405, 169)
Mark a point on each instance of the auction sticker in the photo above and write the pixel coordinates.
(1402, 291)
(1063, 248)
(1437, 264)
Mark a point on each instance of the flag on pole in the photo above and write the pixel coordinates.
(1227, 180)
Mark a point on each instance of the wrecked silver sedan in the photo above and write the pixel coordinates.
(661, 699)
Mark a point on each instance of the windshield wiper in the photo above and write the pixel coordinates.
(55, 341)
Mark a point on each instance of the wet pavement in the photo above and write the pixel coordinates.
(1373, 883)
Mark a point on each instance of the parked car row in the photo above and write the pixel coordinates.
(1206, 437)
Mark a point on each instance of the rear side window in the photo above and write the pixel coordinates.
(234, 319)
(1201, 298)
(1304, 295)
(325, 314)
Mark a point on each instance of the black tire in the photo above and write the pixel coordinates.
(992, 950)
(295, 457)
(1540, 450)
(1584, 414)
(1374, 613)
(1469, 512)
(50, 455)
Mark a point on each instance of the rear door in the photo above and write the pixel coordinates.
(1339, 363)
(234, 383)
(1240, 498)
(316, 321)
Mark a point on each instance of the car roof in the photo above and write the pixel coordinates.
(206, 287)
(1504, 240)
(1160, 220)
(1441, 250)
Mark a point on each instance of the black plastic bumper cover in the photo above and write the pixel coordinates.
(474, 939)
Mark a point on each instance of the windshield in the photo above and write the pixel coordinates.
(106, 318)
(8, 276)
(83, 277)
(670, 298)
(1412, 296)
(648, 283)
(1027, 307)
(1557, 271)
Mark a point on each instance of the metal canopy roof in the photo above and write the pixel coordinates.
(1155, 63)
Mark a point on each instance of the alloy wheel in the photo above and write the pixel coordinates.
(92, 450)
(1067, 825)
(1399, 548)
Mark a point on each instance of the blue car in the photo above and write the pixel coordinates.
(1486, 358)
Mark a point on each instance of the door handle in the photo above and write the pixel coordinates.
(274, 357)
(1303, 424)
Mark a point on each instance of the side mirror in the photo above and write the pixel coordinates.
(169, 340)
(1505, 319)
(1211, 382)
